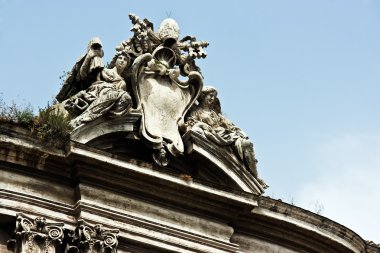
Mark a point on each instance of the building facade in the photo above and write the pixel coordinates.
(150, 164)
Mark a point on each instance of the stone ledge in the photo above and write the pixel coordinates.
(296, 228)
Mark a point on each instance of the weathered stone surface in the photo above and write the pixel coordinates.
(135, 177)
(159, 58)
(35, 235)
(163, 101)
(223, 161)
(145, 72)
(251, 244)
(88, 238)
(156, 210)
(207, 120)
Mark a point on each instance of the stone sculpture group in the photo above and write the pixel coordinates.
(144, 78)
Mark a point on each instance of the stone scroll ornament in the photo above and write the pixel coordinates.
(35, 235)
(87, 238)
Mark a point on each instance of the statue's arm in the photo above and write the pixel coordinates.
(232, 127)
(84, 72)
(92, 62)
(193, 121)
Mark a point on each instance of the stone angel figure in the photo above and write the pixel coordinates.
(91, 91)
(207, 120)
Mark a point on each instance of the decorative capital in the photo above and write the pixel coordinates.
(92, 239)
(35, 235)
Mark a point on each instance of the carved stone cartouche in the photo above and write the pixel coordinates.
(160, 96)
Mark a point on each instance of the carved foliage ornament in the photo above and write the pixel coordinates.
(38, 236)
(92, 239)
(35, 235)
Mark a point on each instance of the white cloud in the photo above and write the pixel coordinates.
(348, 184)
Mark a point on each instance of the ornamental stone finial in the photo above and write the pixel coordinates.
(168, 31)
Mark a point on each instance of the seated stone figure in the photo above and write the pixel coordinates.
(92, 91)
(107, 94)
(207, 120)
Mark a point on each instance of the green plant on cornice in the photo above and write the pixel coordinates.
(51, 128)
(22, 115)
(63, 77)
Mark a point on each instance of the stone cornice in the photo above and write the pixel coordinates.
(87, 171)
(291, 225)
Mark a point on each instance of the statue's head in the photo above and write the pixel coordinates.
(121, 60)
(168, 31)
(209, 98)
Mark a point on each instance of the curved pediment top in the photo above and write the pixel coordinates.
(221, 164)
(203, 159)
(96, 129)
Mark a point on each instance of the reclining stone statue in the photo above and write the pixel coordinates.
(207, 120)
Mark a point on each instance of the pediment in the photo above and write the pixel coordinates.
(222, 163)
(203, 160)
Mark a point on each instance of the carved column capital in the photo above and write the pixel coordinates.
(88, 238)
(35, 235)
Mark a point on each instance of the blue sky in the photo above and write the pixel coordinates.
(302, 78)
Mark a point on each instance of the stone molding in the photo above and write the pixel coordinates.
(224, 160)
(82, 166)
(99, 127)
(297, 228)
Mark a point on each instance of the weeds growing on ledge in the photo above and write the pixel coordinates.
(49, 127)
(22, 115)
(52, 128)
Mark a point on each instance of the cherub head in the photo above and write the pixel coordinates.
(40, 223)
